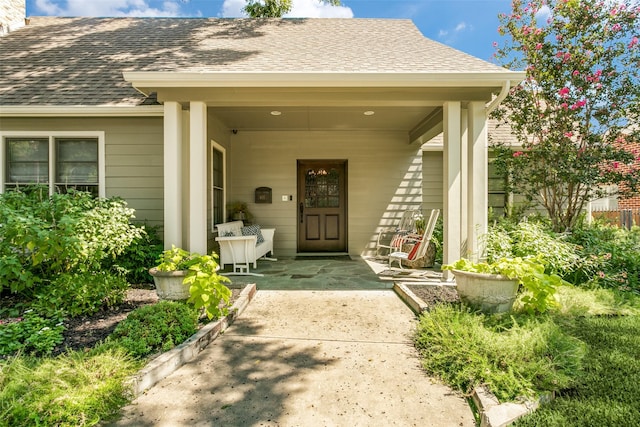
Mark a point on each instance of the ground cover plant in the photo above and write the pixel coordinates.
(583, 349)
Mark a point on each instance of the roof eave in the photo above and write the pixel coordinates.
(157, 79)
(80, 111)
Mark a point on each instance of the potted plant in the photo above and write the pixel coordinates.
(492, 287)
(184, 275)
(238, 211)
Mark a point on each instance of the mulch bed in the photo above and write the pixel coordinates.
(84, 332)
(433, 295)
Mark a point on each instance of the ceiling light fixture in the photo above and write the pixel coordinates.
(369, 113)
(276, 113)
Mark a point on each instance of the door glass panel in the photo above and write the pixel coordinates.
(322, 188)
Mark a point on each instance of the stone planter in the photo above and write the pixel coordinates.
(489, 293)
(169, 284)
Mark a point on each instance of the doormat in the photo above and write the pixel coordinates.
(324, 258)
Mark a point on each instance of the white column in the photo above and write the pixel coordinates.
(198, 177)
(172, 174)
(464, 178)
(452, 183)
(477, 179)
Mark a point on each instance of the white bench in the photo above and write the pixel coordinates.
(241, 251)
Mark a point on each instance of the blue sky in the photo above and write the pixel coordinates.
(467, 25)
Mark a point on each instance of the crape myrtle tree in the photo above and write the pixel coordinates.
(274, 8)
(577, 106)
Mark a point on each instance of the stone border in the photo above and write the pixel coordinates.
(492, 413)
(168, 362)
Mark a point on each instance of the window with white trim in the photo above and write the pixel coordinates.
(218, 164)
(61, 161)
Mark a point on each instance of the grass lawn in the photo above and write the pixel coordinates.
(587, 352)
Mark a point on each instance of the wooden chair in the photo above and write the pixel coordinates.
(420, 249)
(405, 226)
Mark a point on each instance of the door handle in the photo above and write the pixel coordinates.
(301, 212)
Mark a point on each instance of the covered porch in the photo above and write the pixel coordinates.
(377, 122)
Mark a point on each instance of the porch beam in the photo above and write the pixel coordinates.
(197, 228)
(452, 183)
(172, 174)
(477, 180)
(428, 128)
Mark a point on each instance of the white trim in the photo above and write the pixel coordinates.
(80, 111)
(52, 135)
(172, 174)
(320, 79)
(215, 146)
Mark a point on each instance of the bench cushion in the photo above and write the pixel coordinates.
(253, 230)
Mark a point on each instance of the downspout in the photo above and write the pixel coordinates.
(501, 96)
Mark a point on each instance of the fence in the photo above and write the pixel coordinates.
(621, 217)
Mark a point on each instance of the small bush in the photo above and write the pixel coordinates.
(139, 256)
(77, 294)
(44, 236)
(154, 328)
(30, 334)
(524, 239)
(614, 253)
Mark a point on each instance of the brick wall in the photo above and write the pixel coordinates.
(12, 15)
(634, 148)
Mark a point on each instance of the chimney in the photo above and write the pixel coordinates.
(13, 14)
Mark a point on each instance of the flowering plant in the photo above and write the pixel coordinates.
(577, 113)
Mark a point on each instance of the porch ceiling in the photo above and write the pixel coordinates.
(322, 118)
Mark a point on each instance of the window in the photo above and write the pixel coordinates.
(217, 184)
(61, 161)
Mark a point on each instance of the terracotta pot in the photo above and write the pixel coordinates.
(169, 284)
(489, 293)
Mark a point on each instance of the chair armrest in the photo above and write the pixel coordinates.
(268, 233)
(236, 238)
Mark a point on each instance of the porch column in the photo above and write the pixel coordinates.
(477, 180)
(452, 184)
(198, 177)
(172, 174)
(464, 179)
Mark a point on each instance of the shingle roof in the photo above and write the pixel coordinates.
(79, 61)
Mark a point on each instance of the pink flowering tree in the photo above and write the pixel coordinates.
(579, 103)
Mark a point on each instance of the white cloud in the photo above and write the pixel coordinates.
(460, 27)
(299, 9)
(233, 8)
(106, 8)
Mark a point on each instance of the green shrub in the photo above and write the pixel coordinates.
(614, 253)
(31, 334)
(44, 236)
(154, 328)
(83, 293)
(139, 256)
(528, 238)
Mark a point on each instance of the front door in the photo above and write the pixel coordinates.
(322, 206)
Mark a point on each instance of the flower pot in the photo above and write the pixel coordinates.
(489, 293)
(169, 284)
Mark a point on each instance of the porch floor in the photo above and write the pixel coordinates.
(329, 273)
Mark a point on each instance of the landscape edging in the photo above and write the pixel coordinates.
(173, 359)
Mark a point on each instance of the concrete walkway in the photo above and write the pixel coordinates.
(306, 358)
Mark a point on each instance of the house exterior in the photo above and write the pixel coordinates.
(317, 124)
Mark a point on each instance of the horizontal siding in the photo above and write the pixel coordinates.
(384, 179)
(432, 185)
(133, 150)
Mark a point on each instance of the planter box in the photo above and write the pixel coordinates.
(489, 293)
(169, 284)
